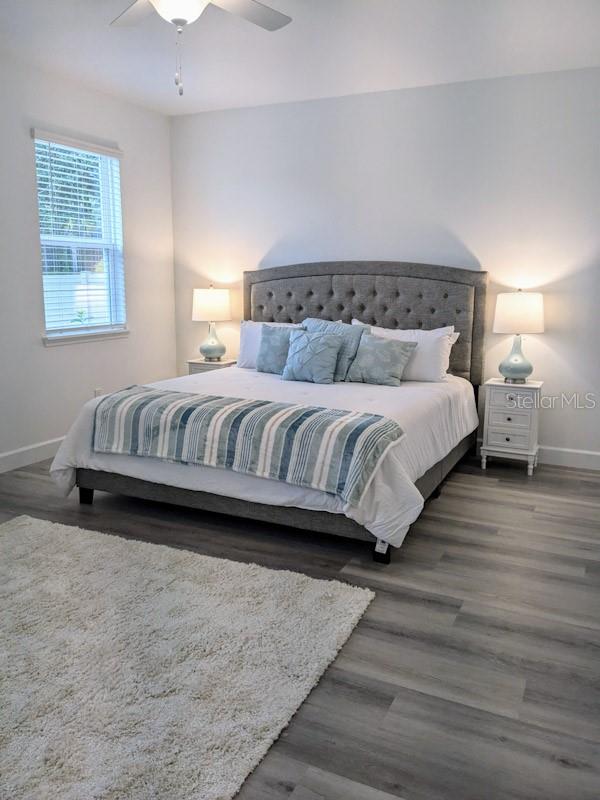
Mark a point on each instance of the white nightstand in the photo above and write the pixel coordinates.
(196, 365)
(510, 428)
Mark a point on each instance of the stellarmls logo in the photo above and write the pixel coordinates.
(574, 400)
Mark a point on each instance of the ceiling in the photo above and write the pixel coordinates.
(332, 47)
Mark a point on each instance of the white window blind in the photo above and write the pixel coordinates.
(81, 237)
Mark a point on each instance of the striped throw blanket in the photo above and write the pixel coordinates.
(319, 448)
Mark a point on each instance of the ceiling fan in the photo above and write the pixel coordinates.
(183, 12)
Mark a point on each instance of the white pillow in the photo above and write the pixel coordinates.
(250, 333)
(431, 359)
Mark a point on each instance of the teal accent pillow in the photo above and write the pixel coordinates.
(312, 357)
(273, 349)
(350, 340)
(380, 361)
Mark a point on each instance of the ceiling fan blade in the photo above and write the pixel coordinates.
(255, 12)
(134, 13)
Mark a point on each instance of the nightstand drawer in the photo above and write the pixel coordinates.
(512, 399)
(198, 365)
(194, 368)
(498, 437)
(510, 419)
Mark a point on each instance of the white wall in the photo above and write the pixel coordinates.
(42, 389)
(502, 175)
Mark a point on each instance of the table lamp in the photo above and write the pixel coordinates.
(211, 305)
(518, 312)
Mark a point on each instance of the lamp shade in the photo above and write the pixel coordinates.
(211, 305)
(519, 312)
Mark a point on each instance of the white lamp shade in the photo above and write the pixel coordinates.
(519, 312)
(211, 305)
(188, 10)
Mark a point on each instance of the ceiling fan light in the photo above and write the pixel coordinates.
(188, 10)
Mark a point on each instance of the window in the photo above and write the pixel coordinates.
(81, 237)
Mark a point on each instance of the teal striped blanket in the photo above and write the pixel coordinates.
(318, 448)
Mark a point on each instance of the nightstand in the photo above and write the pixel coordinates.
(196, 365)
(510, 428)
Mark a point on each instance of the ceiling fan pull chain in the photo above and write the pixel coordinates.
(178, 73)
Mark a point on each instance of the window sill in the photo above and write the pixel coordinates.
(56, 339)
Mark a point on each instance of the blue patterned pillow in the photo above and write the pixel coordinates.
(350, 340)
(380, 361)
(312, 357)
(273, 349)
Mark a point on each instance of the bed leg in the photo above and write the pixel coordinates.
(382, 552)
(86, 496)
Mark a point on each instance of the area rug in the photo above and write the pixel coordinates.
(133, 671)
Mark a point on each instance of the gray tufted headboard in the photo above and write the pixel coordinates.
(391, 294)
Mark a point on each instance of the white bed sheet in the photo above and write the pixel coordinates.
(434, 417)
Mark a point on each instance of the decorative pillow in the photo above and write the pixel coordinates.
(380, 361)
(312, 357)
(350, 341)
(273, 350)
(250, 335)
(431, 359)
(419, 332)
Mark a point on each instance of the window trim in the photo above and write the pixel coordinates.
(110, 150)
(99, 334)
(58, 336)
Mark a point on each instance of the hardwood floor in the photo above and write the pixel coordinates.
(475, 673)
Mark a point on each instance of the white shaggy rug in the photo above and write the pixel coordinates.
(133, 671)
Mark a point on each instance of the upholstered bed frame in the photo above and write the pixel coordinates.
(386, 293)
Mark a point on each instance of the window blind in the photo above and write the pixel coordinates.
(81, 238)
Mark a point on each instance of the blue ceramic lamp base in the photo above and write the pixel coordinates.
(212, 348)
(516, 368)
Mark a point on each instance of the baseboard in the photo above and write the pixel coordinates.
(564, 456)
(567, 457)
(14, 459)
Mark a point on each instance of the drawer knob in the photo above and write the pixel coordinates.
(508, 438)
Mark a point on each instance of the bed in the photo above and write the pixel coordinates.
(439, 419)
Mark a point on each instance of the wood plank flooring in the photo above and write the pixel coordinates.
(475, 673)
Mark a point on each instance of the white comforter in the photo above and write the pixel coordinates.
(434, 416)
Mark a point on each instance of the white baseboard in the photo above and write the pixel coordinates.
(14, 459)
(567, 457)
(564, 456)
